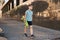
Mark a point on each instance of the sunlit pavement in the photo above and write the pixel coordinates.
(14, 30)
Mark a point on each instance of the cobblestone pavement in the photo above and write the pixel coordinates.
(14, 30)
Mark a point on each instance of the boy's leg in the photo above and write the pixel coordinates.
(31, 30)
(25, 31)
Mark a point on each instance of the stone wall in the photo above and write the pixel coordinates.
(46, 18)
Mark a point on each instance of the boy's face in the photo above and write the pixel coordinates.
(31, 7)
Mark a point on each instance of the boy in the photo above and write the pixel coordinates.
(28, 18)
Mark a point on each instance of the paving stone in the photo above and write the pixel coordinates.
(2, 38)
(14, 30)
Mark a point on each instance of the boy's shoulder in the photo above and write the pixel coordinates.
(26, 11)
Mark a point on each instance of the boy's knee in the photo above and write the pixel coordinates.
(31, 26)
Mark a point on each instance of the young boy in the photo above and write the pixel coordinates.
(28, 18)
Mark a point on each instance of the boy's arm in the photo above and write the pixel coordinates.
(25, 14)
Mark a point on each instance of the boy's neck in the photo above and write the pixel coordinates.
(29, 9)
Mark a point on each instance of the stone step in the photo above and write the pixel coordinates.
(2, 38)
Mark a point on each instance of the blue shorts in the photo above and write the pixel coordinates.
(29, 22)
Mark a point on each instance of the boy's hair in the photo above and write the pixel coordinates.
(29, 5)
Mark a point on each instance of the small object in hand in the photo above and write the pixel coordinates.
(22, 18)
(26, 24)
(25, 21)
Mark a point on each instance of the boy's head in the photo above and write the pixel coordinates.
(30, 7)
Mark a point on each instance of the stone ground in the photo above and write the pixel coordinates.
(14, 30)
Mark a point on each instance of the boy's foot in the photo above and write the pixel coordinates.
(32, 36)
(26, 35)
